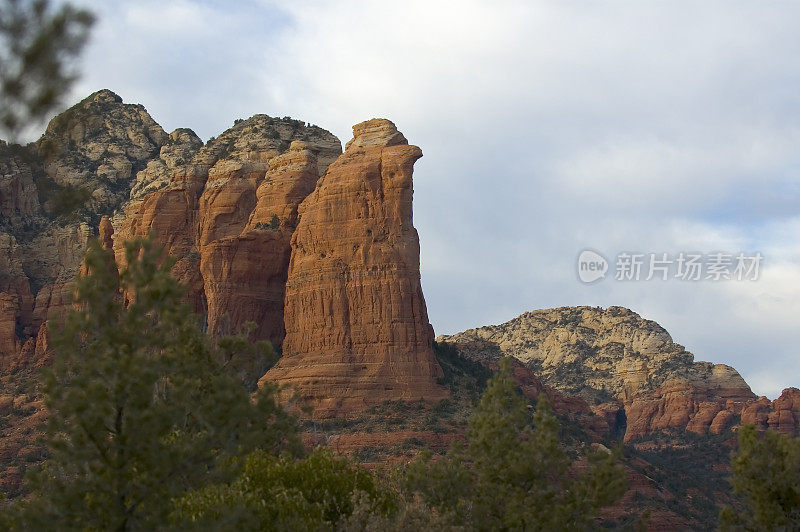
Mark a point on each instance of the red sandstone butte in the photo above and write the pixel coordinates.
(357, 330)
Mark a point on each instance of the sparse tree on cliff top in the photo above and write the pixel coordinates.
(139, 410)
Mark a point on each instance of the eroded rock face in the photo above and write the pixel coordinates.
(52, 196)
(588, 351)
(780, 415)
(707, 402)
(245, 268)
(209, 218)
(616, 360)
(9, 309)
(104, 157)
(169, 216)
(178, 150)
(16, 300)
(357, 330)
(19, 199)
(39, 277)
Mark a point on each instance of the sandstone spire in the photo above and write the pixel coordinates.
(357, 330)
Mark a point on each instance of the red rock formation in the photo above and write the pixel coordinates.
(586, 350)
(106, 233)
(9, 309)
(785, 412)
(225, 206)
(292, 176)
(53, 300)
(228, 199)
(16, 301)
(781, 415)
(18, 194)
(36, 351)
(234, 268)
(357, 330)
(245, 275)
(612, 413)
(693, 404)
(169, 215)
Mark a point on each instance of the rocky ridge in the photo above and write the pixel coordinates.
(54, 193)
(618, 361)
(105, 157)
(98, 146)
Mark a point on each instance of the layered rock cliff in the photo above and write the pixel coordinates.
(357, 330)
(618, 361)
(209, 215)
(251, 225)
(271, 223)
(245, 271)
(105, 157)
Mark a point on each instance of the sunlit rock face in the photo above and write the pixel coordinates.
(357, 330)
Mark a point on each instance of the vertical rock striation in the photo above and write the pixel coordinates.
(245, 270)
(357, 330)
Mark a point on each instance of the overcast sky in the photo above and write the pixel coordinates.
(547, 128)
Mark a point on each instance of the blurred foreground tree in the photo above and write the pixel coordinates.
(766, 474)
(139, 409)
(39, 46)
(518, 478)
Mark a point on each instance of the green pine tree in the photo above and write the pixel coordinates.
(513, 474)
(139, 410)
(766, 474)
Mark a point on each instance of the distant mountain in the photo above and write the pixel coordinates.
(620, 362)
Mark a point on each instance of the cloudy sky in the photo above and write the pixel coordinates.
(547, 128)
